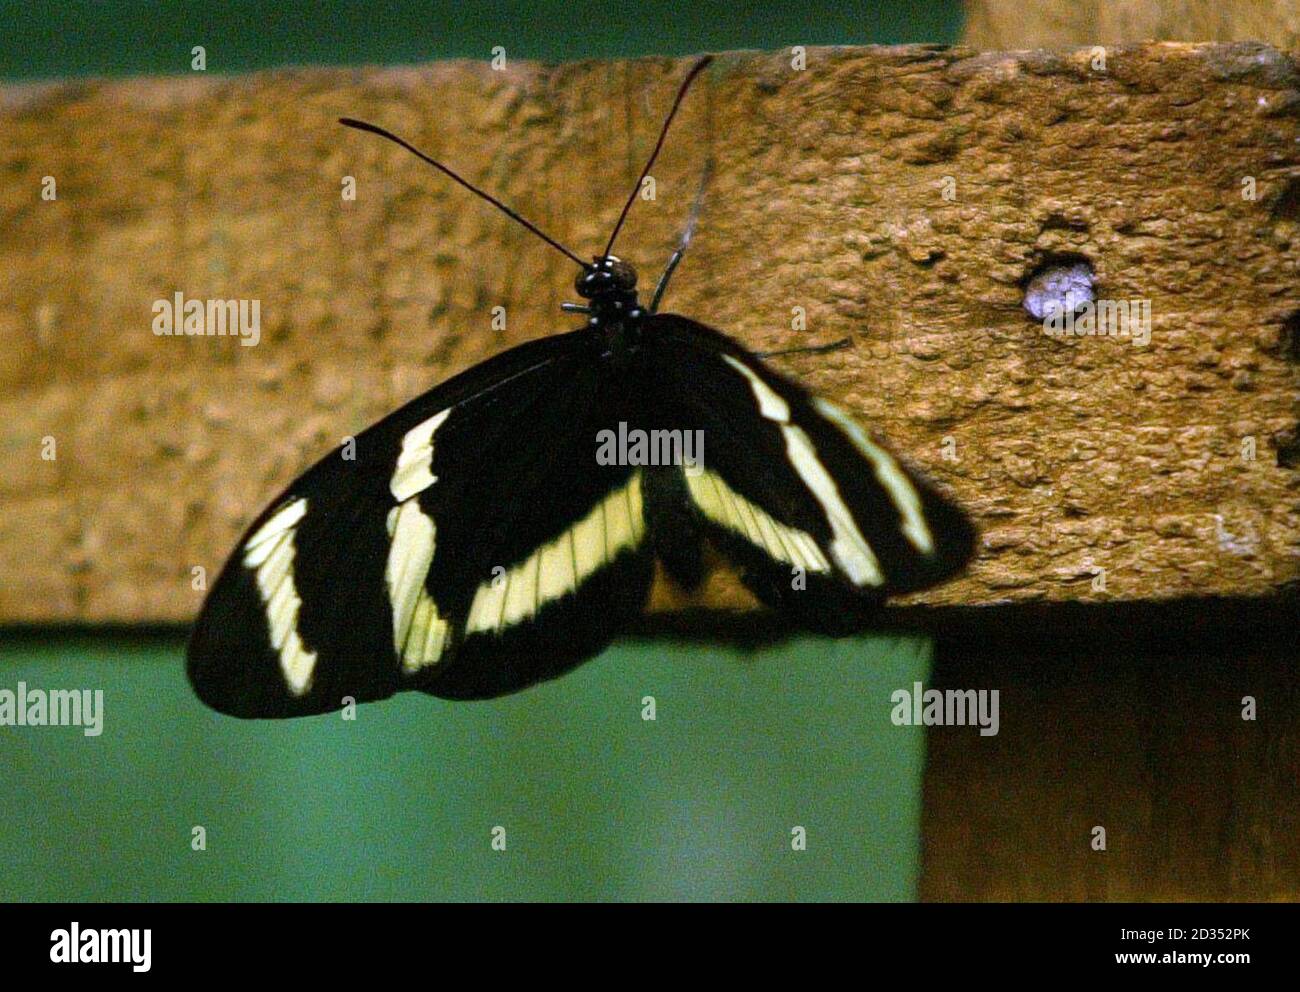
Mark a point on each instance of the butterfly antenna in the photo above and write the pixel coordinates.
(383, 133)
(685, 241)
(663, 133)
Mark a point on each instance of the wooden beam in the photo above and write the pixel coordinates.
(1055, 23)
(900, 196)
(1171, 727)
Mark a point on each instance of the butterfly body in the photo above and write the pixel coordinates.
(615, 314)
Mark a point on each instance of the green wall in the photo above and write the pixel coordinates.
(94, 37)
(597, 802)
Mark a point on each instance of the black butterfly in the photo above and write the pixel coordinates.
(478, 543)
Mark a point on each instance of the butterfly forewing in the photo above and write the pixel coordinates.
(304, 612)
(544, 555)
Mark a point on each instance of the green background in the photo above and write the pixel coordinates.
(596, 802)
(400, 803)
(96, 37)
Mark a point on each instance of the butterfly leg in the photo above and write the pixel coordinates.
(813, 349)
(662, 287)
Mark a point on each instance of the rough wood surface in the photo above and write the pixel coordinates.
(828, 194)
(1055, 23)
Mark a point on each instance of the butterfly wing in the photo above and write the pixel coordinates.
(545, 556)
(823, 521)
(365, 576)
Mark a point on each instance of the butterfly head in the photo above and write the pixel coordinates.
(606, 278)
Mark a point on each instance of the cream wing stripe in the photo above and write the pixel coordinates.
(589, 541)
(555, 574)
(889, 474)
(282, 520)
(727, 508)
(419, 633)
(269, 553)
(849, 548)
(559, 567)
(414, 472)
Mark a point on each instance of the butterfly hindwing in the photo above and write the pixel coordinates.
(823, 521)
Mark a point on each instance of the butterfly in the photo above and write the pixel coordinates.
(506, 525)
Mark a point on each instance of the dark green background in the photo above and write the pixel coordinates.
(597, 803)
(93, 37)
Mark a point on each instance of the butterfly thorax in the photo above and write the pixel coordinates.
(614, 311)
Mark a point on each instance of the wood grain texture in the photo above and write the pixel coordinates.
(828, 194)
(1014, 24)
(1148, 735)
